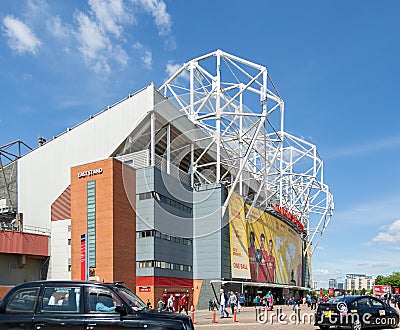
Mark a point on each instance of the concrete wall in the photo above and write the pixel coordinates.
(15, 270)
(60, 250)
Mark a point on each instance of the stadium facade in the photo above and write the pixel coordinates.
(181, 189)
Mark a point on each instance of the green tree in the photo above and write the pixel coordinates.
(379, 280)
(393, 280)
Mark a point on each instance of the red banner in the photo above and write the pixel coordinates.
(83, 257)
(290, 216)
(382, 289)
(397, 290)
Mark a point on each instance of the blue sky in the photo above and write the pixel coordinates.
(335, 63)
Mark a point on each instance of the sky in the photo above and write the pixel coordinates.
(335, 63)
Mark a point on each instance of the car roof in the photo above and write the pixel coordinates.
(349, 298)
(65, 283)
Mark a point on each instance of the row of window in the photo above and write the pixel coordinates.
(157, 234)
(91, 222)
(163, 265)
(166, 200)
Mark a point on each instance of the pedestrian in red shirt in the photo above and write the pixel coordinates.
(183, 304)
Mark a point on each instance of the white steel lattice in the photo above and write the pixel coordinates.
(235, 103)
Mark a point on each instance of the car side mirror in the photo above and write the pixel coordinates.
(121, 310)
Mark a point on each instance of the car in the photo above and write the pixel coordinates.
(82, 305)
(356, 312)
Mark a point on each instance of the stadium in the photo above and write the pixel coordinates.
(185, 188)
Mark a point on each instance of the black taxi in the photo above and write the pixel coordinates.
(82, 305)
(356, 312)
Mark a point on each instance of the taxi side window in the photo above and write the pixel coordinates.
(61, 299)
(363, 302)
(377, 304)
(23, 300)
(101, 300)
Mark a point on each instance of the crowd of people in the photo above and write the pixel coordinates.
(229, 302)
(169, 306)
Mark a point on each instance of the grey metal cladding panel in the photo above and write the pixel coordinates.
(145, 249)
(144, 180)
(144, 215)
(171, 187)
(173, 252)
(144, 271)
(164, 209)
(207, 245)
(172, 273)
(172, 224)
(226, 253)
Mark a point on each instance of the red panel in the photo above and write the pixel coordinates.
(23, 243)
(61, 208)
(164, 281)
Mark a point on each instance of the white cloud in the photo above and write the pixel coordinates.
(147, 55)
(92, 43)
(147, 59)
(391, 235)
(172, 68)
(109, 15)
(20, 37)
(321, 272)
(120, 55)
(162, 19)
(56, 28)
(366, 147)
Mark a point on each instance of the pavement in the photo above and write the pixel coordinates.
(246, 319)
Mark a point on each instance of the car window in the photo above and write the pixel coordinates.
(362, 302)
(101, 300)
(23, 300)
(61, 299)
(134, 301)
(377, 304)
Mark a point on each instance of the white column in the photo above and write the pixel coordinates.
(152, 139)
(168, 148)
(218, 119)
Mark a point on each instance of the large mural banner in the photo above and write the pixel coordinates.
(275, 249)
(238, 238)
(263, 248)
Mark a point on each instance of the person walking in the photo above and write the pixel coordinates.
(223, 300)
(296, 300)
(313, 302)
(233, 302)
(270, 301)
(242, 301)
(183, 304)
(170, 304)
(160, 305)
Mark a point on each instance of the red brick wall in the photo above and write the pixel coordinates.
(115, 221)
(4, 290)
(124, 204)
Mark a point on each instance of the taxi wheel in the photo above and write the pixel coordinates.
(356, 325)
